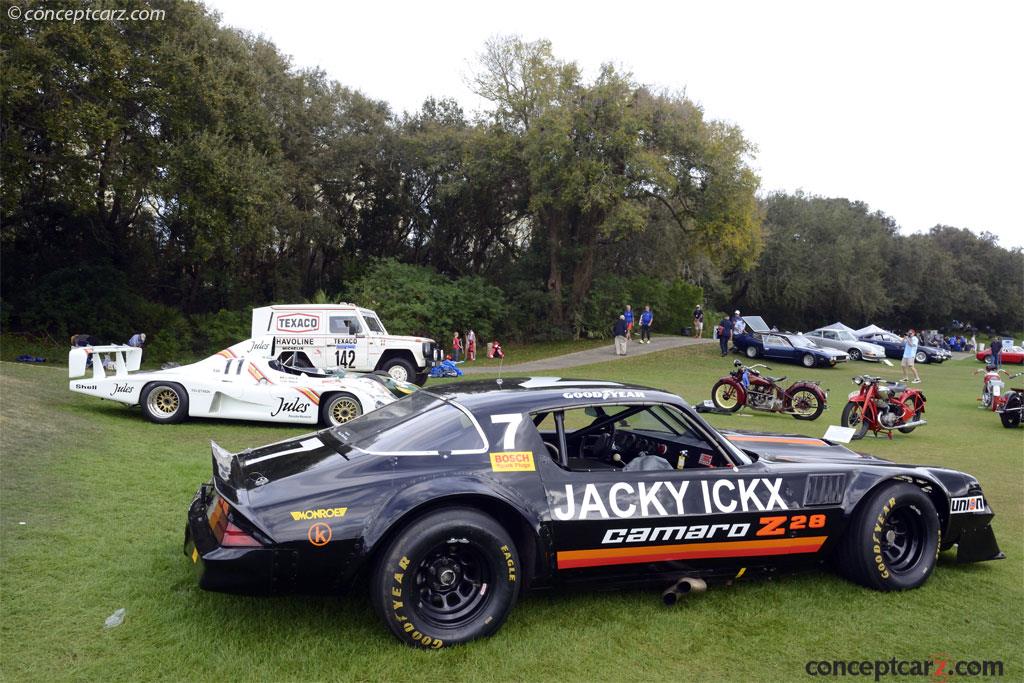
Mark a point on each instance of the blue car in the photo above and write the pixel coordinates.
(759, 341)
(893, 345)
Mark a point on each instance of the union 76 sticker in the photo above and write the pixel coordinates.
(969, 504)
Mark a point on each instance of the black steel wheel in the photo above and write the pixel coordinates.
(893, 540)
(449, 577)
(853, 416)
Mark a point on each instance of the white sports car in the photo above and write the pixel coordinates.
(230, 385)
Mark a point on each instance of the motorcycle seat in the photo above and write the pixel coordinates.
(775, 379)
(898, 388)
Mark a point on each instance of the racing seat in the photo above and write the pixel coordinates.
(775, 379)
(647, 463)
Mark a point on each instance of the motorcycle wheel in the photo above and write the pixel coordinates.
(853, 416)
(1011, 411)
(806, 405)
(917, 416)
(725, 397)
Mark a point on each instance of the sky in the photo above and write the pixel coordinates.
(915, 108)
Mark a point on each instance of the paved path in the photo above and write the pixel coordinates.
(603, 354)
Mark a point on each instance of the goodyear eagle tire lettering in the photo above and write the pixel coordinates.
(893, 540)
(449, 577)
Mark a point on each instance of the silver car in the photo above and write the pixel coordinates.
(845, 341)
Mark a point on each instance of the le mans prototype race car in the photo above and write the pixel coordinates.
(455, 499)
(231, 385)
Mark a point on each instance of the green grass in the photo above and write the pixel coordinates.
(523, 353)
(103, 496)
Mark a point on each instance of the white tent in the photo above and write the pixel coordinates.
(870, 329)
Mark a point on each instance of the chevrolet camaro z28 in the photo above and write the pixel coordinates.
(450, 502)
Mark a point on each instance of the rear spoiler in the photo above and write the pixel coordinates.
(125, 358)
(227, 474)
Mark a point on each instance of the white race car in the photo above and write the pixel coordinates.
(231, 385)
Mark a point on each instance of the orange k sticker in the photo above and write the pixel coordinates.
(319, 534)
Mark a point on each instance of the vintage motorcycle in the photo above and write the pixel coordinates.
(882, 406)
(745, 386)
(993, 389)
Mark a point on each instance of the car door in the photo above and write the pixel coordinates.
(777, 346)
(346, 346)
(708, 505)
(376, 338)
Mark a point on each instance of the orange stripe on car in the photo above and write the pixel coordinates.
(310, 394)
(573, 559)
(779, 439)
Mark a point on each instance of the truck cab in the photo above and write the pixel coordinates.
(343, 336)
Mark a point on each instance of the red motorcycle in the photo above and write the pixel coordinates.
(745, 386)
(883, 406)
(993, 389)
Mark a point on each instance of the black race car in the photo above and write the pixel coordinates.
(453, 500)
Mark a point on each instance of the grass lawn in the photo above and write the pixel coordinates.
(523, 353)
(92, 510)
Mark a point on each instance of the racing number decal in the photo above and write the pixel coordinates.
(345, 358)
(776, 526)
(511, 422)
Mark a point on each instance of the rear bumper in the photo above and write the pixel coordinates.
(229, 570)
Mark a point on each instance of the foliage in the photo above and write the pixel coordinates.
(671, 302)
(417, 300)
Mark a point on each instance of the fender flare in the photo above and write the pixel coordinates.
(507, 506)
(939, 493)
(813, 387)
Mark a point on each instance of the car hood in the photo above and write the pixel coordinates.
(795, 448)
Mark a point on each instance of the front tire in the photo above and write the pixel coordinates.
(400, 369)
(450, 577)
(988, 360)
(893, 540)
(854, 354)
(726, 397)
(808, 360)
(920, 357)
(751, 351)
(1011, 418)
(853, 416)
(339, 409)
(164, 402)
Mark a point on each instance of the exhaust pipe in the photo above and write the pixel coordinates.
(682, 587)
(912, 423)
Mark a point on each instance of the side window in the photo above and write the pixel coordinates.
(345, 324)
(443, 428)
(830, 335)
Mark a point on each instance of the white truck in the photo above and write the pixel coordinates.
(340, 335)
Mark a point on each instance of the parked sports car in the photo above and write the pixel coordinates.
(845, 341)
(231, 385)
(893, 346)
(1013, 354)
(761, 342)
(454, 500)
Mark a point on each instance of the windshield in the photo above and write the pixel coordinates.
(802, 342)
(372, 322)
(845, 336)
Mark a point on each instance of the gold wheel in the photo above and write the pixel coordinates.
(343, 409)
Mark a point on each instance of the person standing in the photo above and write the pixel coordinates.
(621, 333)
(646, 319)
(724, 331)
(910, 343)
(457, 347)
(997, 350)
(627, 315)
(698, 322)
(471, 345)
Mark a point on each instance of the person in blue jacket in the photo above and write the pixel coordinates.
(724, 331)
(627, 315)
(646, 318)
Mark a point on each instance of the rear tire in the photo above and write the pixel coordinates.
(853, 416)
(339, 409)
(450, 577)
(726, 397)
(164, 402)
(917, 416)
(751, 351)
(1010, 418)
(893, 540)
(421, 378)
(813, 405)
(988, 360)
(400, 369)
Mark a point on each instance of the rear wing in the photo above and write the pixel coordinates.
(121, 360)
